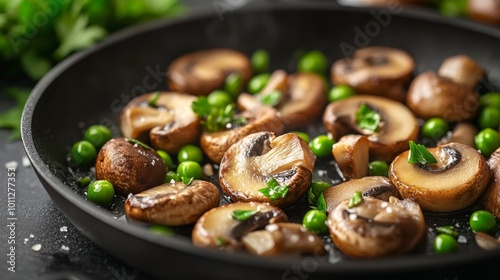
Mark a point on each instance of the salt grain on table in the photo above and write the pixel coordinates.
(36, 247)
(64, 229)
(64, 248)
(11, 164)
(462, 239)
(26, 161)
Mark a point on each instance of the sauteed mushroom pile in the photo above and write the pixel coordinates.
(230, 148)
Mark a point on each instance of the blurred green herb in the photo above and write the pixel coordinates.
(11, 119)
(216, 118)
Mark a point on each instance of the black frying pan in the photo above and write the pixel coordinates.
(91, 87)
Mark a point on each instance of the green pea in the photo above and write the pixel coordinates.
(190, 153)
(487, 141)
(190, 169)
(340, 92)
(83, 153)
(483, 221)
(489, 117)
(445, 243)
(234, 84)
(313, 61)
(315, 221)
(258, 83)
(322, 145)
(302, 135)
(171, 176)
(453, 8)
(435, 128)
(219, 98)
(166, 158)
(101, 192)
(315, 190)
(162, 230)
(260, 61)
(98, 135)
(491, 99)
(378, 168)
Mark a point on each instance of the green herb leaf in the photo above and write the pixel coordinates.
(162, 230)
(84, 181)
(187, 180)
(219, 241)
(201, 106)
(355, 199)
(367, 118)
(153, 99)
(216, 118)
(321, 203)
(448, 230)
(137, 142)
(243, 215)
(272, 99)
(11, 119)
(274, 190)
(420, 154)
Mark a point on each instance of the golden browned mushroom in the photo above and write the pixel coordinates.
(168, 124)
(462, 133)
(173, 204)
(303, 97)
(130, 166)
(202, 72)
(375, 186)
(261, 118)
(487, 11)
(450, 93)
(455, 182)
(381, 71)
(376, 228)
(487, 242)
(251, 163)
(351, 153)
(491, 199)
(398, 125)
(219, 228)
(283, 238)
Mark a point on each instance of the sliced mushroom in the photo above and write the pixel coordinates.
(173, 204)
(302, 101)
(129, 166)
(202, 72)
(449, 94)
(375, 186)
(170, 124)
(487, 11)
(487, 242)
(398, 124)
(455, 182)
(463, 133)
(376, 228)
(491, 199)
(351, 153)
(249, 164)
(381, 71)
(283, 238)
(262, 118)
(218, 229)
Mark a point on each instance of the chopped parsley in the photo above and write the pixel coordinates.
(420, 154)
(216, 118)
(243, 215)
(274, 190)
(355, 200)
(367, 118)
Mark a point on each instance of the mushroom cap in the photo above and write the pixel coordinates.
(170, 125)
(202, 72)
(303, 97)
(283, 238)
(375, 186)
(484, 10)
(462, 70)
(462, 133)
(173, 204)
(250, 163)
(398, 124)
(351, 153)
(454, 183)
(217, 228)
(375, 71)
(131, 168)
(431, 95)
(491, 199)
(262, 118)
(376, 228)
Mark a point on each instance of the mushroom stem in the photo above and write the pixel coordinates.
(462, 69)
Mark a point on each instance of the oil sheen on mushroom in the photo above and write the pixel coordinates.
(376, 228)
(455, 182)
(491, 200)
(249, 164)
(217, 228)
(173, 204)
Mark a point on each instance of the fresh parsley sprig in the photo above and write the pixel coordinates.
(420, 154)
(274, 190)
(216, 118)
(367, 118)
(355, 200)
(243, 215)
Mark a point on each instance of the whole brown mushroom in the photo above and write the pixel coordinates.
(487, 11)
(130, 166)
(491, 199)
